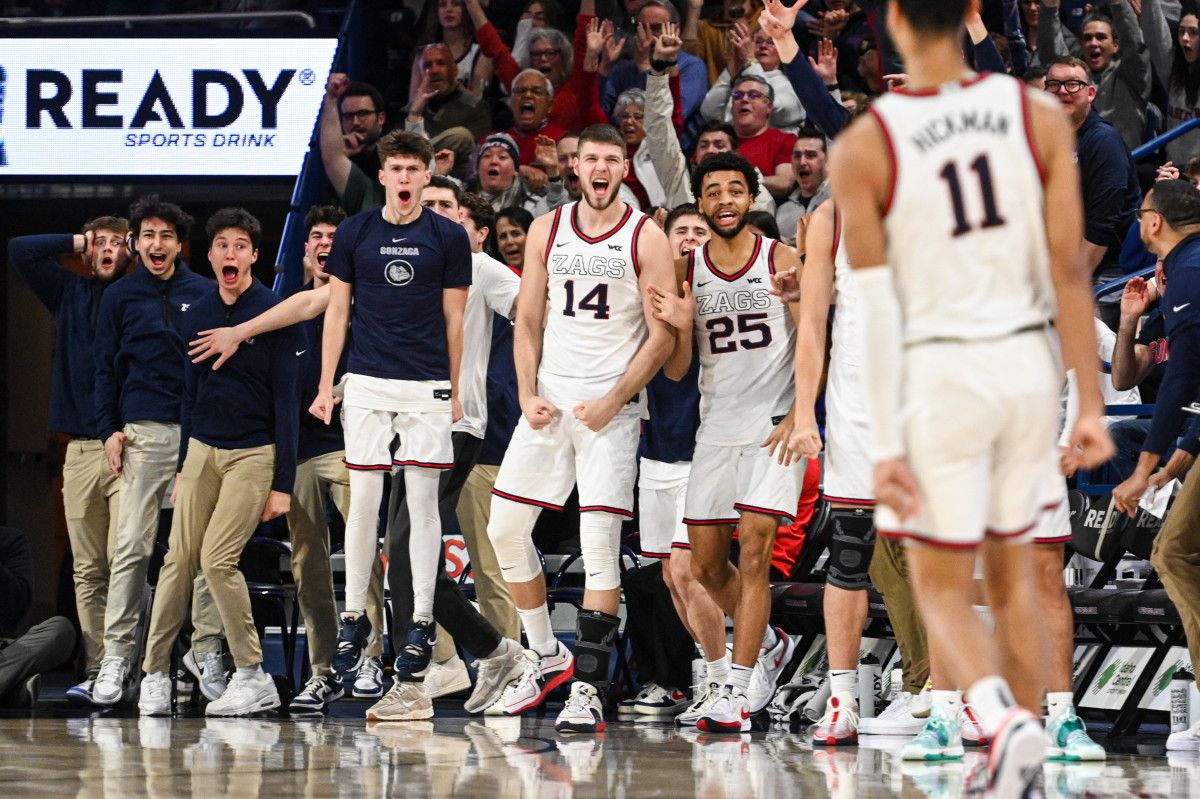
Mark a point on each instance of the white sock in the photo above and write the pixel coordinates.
(770, 638)
(948, 701)
(538, 629)
(250, 671)
(717, 670)
(362, 535)
(425, 535)
(992, 700)
(844, 681)
(739, 678)
(1057, 702)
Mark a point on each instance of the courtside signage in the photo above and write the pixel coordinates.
(151, 107)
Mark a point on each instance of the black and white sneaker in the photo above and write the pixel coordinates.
(316, 695)
(356, 634)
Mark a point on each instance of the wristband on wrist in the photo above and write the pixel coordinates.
(661, 65)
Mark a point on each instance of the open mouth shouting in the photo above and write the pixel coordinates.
(404, 196)
(1095, 56)
(158, 261)
(726, 218)
(229, 275)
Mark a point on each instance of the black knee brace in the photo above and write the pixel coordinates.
(850, 550)
(595, 634)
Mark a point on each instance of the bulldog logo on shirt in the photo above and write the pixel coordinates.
(398, 273)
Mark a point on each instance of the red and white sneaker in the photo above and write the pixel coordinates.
(1018, 752)
(540, 676)
(729, 713)
(972, 733)
(839, 725)
(767, 669)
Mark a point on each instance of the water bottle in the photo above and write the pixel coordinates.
(868, 684)
(1182, 684)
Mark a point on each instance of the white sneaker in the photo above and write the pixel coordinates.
(155, 698)
(970, 728)
(630, 705)
(661, 702)
(729, 713)
(209, 671)
(540, 676)
(767, 669)
(368, 684)
(246, 695)
(1018, 752)
(896, 719)
(839, 725)
(582, 711)
(1185, 740)
(110, 681)
(443, 679)
(406, 701)
(700, 706)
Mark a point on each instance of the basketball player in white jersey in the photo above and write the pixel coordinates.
(743, 475)
(946, 187)
(580, 381)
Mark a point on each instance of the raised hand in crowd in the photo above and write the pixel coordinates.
(593, 61)
(778, 20)
(1167, 171)
(612, 47)
(443, 162)
(668, 44)
(643, 46)
(740, 48)
(545, 155)
(825, 64)
(895, 80)
(334, 89)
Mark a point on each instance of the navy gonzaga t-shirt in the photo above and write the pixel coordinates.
(398, 273)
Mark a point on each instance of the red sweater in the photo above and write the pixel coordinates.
(768, 150)
(577, 102)
(527, 143)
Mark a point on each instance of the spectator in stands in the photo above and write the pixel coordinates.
(1177, 63)
(652, 18)
(91, 492)
(811, 187)
(1111, 192)
(768, 150)
(662, 118)
(537, 14)
(567, 147)
(845, 23)
(25, 652)
(443, 111)
(1030, 14)
(357, 187)
(449, 24)
(629, 115)
(1116, 58)
(869, 69)
(762, 223)
(362, 113)
(532, 93)
(495, 164)
(576, 97)
(512, 224)
(1170, 217)
(139, 360)
(786, 113)
(709, 39)
(810, 78)
(237, 467)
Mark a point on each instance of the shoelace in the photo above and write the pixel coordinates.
(312, 688)
(213, 666)
(577, 702)
(110, 668)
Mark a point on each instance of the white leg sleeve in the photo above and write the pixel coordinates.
(511, 531)
(600, 543)
(425, 537)
(362, 535)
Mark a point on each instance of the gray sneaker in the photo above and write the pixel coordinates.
(209, 670)
(494, 673)
(407, 701)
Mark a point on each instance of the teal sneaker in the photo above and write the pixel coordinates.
(1067, 739)
(939, 739)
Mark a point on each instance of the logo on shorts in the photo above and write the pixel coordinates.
(398, 273)
(441, 394)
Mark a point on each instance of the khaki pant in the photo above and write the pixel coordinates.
(491, 592)
(147, 471)
(221, 496)
(889, 573)
(91, 498)
(1176, 555)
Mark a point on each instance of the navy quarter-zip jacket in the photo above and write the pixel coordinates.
(74, 301)
(252, 399)
(140, 347)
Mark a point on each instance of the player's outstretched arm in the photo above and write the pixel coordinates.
(224, 341)
(816, 294)
(657, 269)
(532, 311)
(861, 176)
(677, 308)
(333, 339)
(1053, 139)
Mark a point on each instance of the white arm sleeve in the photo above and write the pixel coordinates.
(883, 350)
